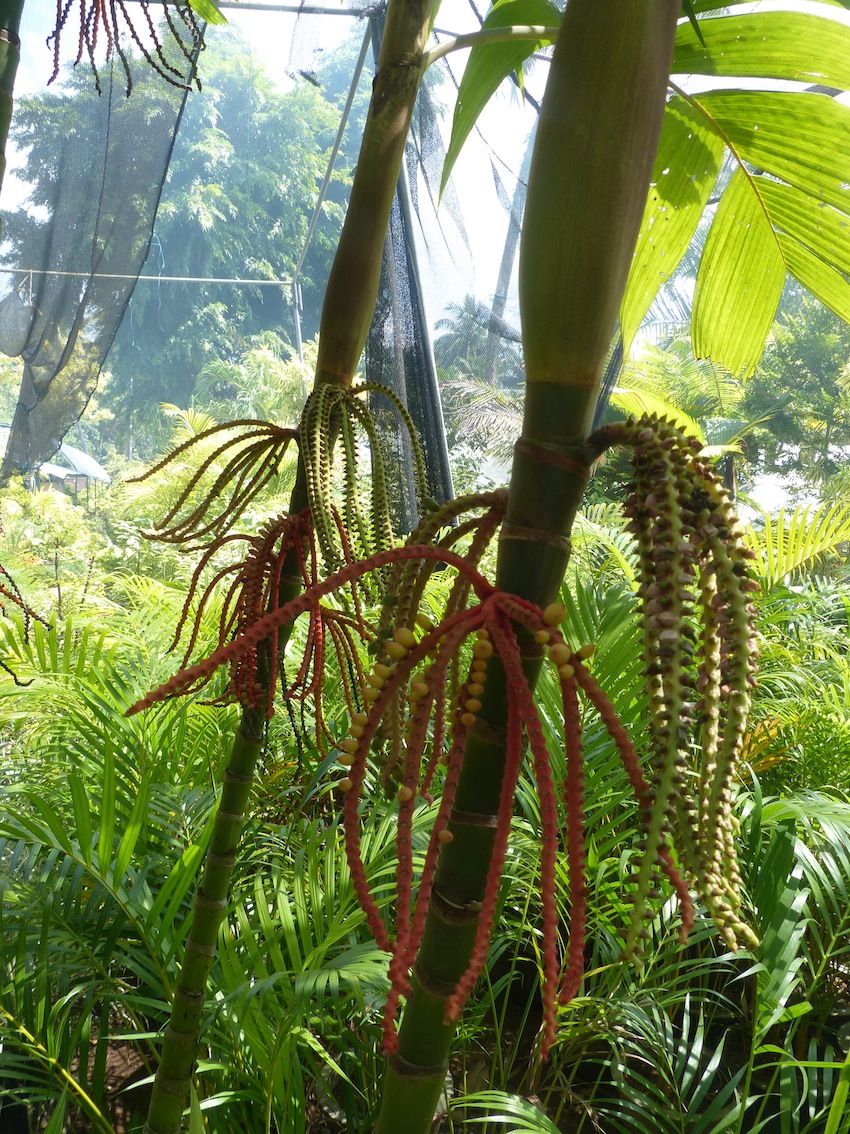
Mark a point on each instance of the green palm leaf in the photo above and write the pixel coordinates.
(787, 545)
(516, 1114)
(786, 207)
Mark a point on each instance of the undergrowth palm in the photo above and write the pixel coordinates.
(106, 818)
(699, 1041)
(105, 821)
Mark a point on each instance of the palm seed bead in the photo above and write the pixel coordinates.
(405, 637)
(482, 633)
(542, 637)
(345, 785)
(586, 651)
(349, 745)
(567, 670)
(382, 670)
(424, 623)
(482, 649)
(445, 836)
(473, 705)
(475, 689)
(405, 793)
(479, 669)
(356, 731)
(371, 694)
(418, 689)
(560, 654)
(346, 759)
(467, 719)
(396, 650)
(359, 718)
(554, 614)
(375, 680)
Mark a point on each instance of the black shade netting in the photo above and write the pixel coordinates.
(399, 351)
(399, 355)
(80, 240)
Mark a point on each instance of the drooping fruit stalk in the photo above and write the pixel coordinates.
(179, 28)
(695, 588)
(598, 133)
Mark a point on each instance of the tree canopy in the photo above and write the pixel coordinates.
(240, 190)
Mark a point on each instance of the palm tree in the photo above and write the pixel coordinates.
(611, 66)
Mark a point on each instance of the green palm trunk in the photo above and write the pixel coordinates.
(10, 54)
(598, 134)
(346, 316)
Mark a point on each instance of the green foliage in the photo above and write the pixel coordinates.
(786, 546)
(800, 379)
(261, 385)
(783, 211)
(241, 188)
(103, 828)
(481, 377)
(105, 820)
(489, 64)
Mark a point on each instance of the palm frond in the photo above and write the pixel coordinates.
(637, 403)
(785, 546)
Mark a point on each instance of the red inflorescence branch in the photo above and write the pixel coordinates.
(266, 625)
(407, 690)
(111, 18)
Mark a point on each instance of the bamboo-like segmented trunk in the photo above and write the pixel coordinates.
(598, 134)
(10, 54)
(180, 1041)
(353, 282)
(346, 317)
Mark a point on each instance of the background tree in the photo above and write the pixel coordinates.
(481, 376)
(241, 187)
(800, 375)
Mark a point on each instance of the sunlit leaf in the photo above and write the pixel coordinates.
(208, 11)
(688, 9)
(828, 285)
(636, 403)
(740, 281)
(802, 139)
(788, 544)
(686, 168)
(778, 45)
(511, 1111)
(490, 63)
(814, 239)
